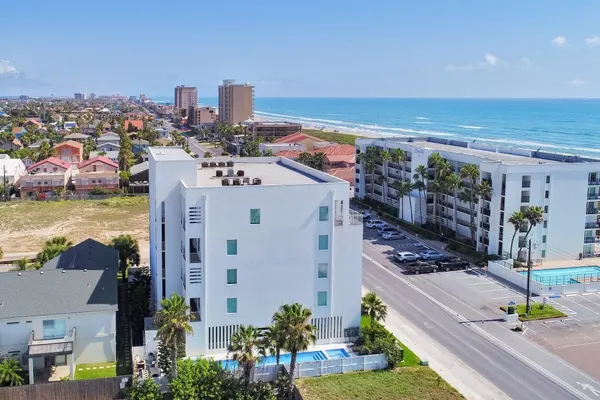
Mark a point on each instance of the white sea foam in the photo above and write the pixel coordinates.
(529, 144)
(421, 118)
(423, 122)
(474, 127)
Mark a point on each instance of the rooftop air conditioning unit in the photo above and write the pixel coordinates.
(230, 172)
(240, 172)
(236, 182)
(221, 163)
(219, 173)
(246, 181)
(213, 164)
(230, 163)
(204, 164)
(257, 181)
(225, 182)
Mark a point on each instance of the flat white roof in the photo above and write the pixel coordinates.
(169, 153)
(271, 171)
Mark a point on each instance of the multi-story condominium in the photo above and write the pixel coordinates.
(204, 116)
(239, 238)
(274, 129)
(236, 102)
(69, 151)
(49, 175)
(185, 98)
(79, 96)
(97, 172)
(566, 187)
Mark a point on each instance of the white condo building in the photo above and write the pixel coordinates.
(240, 237)
(566, 187)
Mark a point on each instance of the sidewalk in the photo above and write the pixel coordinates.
(463, 378)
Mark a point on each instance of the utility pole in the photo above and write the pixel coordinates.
(527, 304)
(4, 185)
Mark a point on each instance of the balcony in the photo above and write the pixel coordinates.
(591, 240)
(485, 226)
(486, 211)
(592, 225)
(594, 182)
(466, 210)
(526, 184)
(593, 196)
(524, 199)
(355, 218)
(51, 347)
(591, 211)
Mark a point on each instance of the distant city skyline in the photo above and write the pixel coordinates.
(307, 49)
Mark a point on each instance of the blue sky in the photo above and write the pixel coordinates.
(332, 48)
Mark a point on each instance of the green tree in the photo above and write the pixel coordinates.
(407, 188)
(208, 154)
(373, 307)
(52, 248)
(294, 321)
(471, 173)
(199, 379)
(46, 150)
(129, 252)
(399, 156)
(534, 215)
(267, 153)
(367, 162)
(385, 157)
(453, 184)
(272, 342)
(244, 344)
(173, 321)
(10, 373)
(517, 219)
(420, 177)
(139, 297)
(400, 189)
(144, 389)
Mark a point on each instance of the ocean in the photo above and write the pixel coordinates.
(570, 126)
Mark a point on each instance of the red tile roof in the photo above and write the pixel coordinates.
(297, 137)
(51, 160)
(17, 129)
(99, 159)
(337, 150)
(346, 174)
(33, 121)
(136, 123)
(289, 153)
(71, 143)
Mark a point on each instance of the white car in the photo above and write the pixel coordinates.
(406, 256)
(430, 255)
(419, 245)
(376, 223)
(393, 236)
(365, 214)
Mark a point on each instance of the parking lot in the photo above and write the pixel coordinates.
(575, 338)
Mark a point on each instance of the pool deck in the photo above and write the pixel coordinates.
(322, 347)
(586, 262)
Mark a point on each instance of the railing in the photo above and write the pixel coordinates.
(463, 222)
(591, 211)
(524, 199)
(591, 240)
(466, 210)
(485, 226)
(593, 196)
(596, 182)
(566, 279)
(355, 218)
(526, 184)
(592, 225)
(486, 211)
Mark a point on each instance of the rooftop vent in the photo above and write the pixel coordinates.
(19, 274)
(41, 272)
(63, 271)
(85, 270)
(230, 163)
(221, 163)
(236, 182)
(230, 172)
(213, 164)
(219, 173)
(240, 172)
(246, 181)
(225, 182)
(257, 181)
(204, 164)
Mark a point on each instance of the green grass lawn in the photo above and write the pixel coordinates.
(414, 382)
(410, 358)
(336, 137)
(95, 371)
(538, 311)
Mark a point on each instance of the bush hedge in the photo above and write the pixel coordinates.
(375, 339)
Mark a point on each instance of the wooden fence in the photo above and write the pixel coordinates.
(93, 389)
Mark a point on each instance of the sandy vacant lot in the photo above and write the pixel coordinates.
(25, 225)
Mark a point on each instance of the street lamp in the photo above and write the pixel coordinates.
(529, 265)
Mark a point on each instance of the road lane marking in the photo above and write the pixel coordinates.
(491, 337)
(482, 283)
(491, 290)
(506, 297)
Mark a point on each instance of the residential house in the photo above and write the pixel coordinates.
(38, 143)
(138, 181)
(34, 123)
(106, 126)
(77, 137)
(97, 172)
(133, 124)
(70, 124)
(139, 145)
(108, 146)
(63, 314)
(302, 138)
(18, 131)
(89, 129)
(11, 169)
(69, 151)
(49, 175)
(111, 155)
(14, 144)
(108, 138)
(63, 132)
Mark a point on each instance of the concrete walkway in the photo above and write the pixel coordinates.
(463, 378)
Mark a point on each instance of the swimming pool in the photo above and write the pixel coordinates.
(286, 358)
(565, 276)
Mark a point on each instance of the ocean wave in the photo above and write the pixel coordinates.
(424, 118)
(295, 118)
(423, 122)
(473, 127)
(526, 144)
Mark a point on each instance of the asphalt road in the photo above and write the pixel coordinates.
(513, 377)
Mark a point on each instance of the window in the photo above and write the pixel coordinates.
(12, 323)
(545, 224)
(231, 305)
(547, 193)
(323, 213)
(547, 178)
(54, 169)
(232, 276)
(55, 328)
(195, 250)
(323, 242)
(322, 270)
(195, 309)
(255, 216)
(543, 253)
(321, 299)
(232, 247)
(544, 239)
(546, 209)
(94, 168)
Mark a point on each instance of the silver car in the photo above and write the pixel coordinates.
(393, 236)
(406, 256)
(430, 255)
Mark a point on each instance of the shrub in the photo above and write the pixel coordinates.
(224, 153)
(376, 339)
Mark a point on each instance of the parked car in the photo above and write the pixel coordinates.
(430, 255)
(395, 235)
(420, 267)
(452, 263)
(386, 229)
(419, 245)
(365, 213)
(375, 223)
(405, 256)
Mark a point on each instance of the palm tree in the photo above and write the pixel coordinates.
(435, 161)
(294, 321)
(453, 184)
(272, 342)
(373, 307)
(483, 192)
(398, 156)
(53, 248)
(9, 373)
(367, 160)
(534, 215)
(420, 177)
(516, 220)
(399, 187)
(385, 157)
(129, 251)
(244, 344)
(471, 172)
(407, 189)
(173, 321)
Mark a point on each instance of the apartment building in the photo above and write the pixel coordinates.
(274, 129)
(69, 151)
(49, 175)
(236, 102)
(220, 236)
(185, 98)
(203, 116)
(79, 96)
(97, 172)
(566, 187)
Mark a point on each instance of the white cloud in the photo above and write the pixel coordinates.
(577, 83)
(490, 61)
(7, 69)
(526, 64)
(559, 41)
(593, 41)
